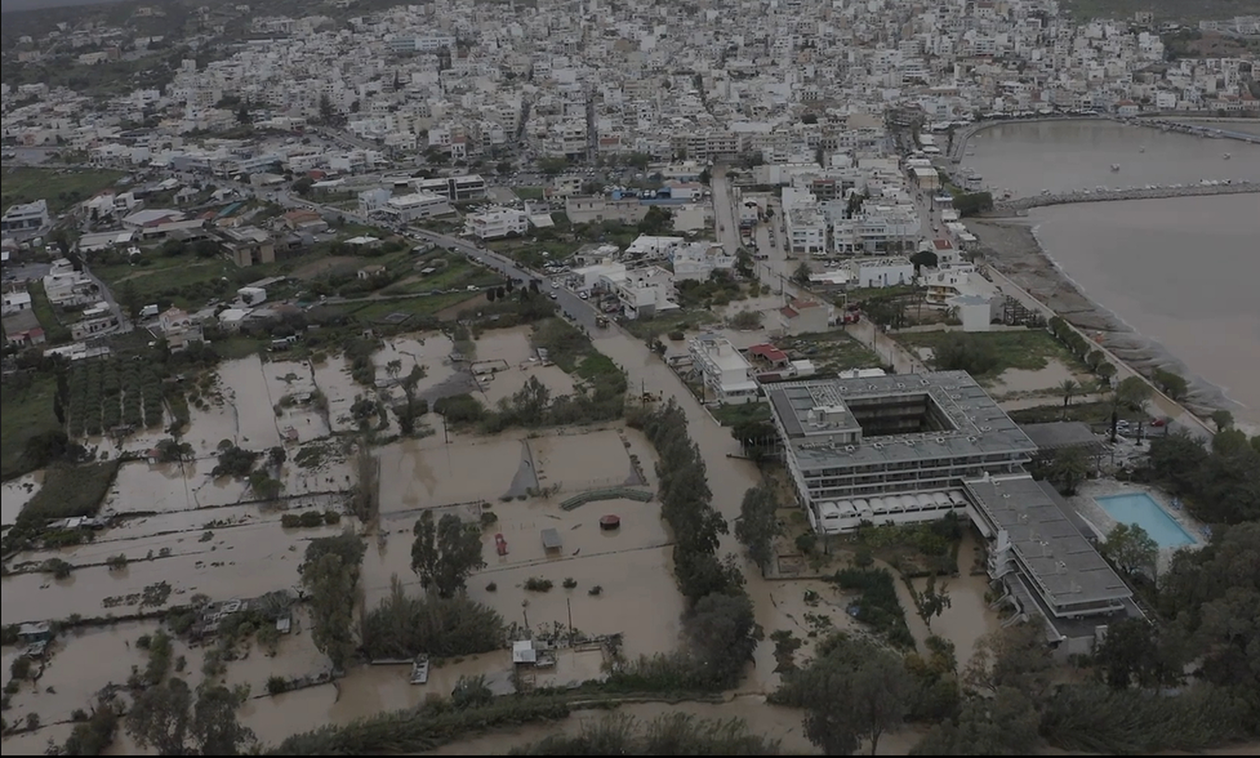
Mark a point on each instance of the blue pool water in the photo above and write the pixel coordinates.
(1137, 508)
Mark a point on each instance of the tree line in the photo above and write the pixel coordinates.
(719, 627)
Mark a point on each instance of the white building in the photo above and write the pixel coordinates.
(653, 248)
(418, 206)
(373, 200)
(698, 260)
(496, 223)
(26, 219)
(945, 284)
(726, 373)
(805, 317)
(66, 287)
(643, 292)
(880, 272)
(977, 312)
(16, 302)
(590, 276)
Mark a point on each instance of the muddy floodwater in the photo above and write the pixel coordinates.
(16, 493)
(198, 533)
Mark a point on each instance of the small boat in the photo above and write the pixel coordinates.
(1227, 156)
(420, 669)
(1115, 168)
(1142, 149)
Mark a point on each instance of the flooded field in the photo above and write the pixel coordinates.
(238, 561)
(503, 384)
(245, 391)
(508, 345)
(424, 473)
(16, 493)
(431, 351)
(201, 534)
(1014, 384)
(292, 385)
(582, 460)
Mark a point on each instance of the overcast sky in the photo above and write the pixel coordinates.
(26, 5)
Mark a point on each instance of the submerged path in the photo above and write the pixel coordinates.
(1235, 187)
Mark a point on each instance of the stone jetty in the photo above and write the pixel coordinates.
(1234, 187)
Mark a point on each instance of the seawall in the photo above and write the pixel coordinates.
(1099, 196)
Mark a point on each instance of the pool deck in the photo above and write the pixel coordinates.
(1092, 512)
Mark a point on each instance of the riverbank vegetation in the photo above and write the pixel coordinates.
(676, 734)
(719, 630)
(438, 722)
(852, 691)
(330, 575)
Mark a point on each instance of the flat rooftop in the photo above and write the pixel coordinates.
(1056, 435)
(968, 422)
(1062, 565)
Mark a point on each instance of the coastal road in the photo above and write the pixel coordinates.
(1162, 405)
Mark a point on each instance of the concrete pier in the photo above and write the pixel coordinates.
(1235, 187)
(1205, 130)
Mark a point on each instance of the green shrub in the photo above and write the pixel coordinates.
(403, 626)
(311, 519)
(290, 521)
(538, 584)
(277, 685)
(58, 568)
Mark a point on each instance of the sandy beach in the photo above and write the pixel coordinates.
(1010, 246)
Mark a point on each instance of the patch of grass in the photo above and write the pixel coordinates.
(456, 273)
(184, 281)
(238, 346)
(832, 352)
(71, 491)
(1096, 414)
(681, 320)
(530, 193)
(62, 188)
(734, 415)
(28, 411)
(1026, 349)
(54, 332)
(376, 310)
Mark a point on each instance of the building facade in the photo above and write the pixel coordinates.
(726, 373)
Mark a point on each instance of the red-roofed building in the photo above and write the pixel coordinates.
(770, 354)
(805, 316)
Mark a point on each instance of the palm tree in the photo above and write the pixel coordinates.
(1069, 388)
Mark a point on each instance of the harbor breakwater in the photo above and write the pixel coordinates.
(1235, 187)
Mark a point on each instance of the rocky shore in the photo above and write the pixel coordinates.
(1010, 246)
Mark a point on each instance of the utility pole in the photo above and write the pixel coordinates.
(569, 603)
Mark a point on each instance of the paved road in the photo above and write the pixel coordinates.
(124, 323)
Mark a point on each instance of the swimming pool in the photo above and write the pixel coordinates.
(1138, 508)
